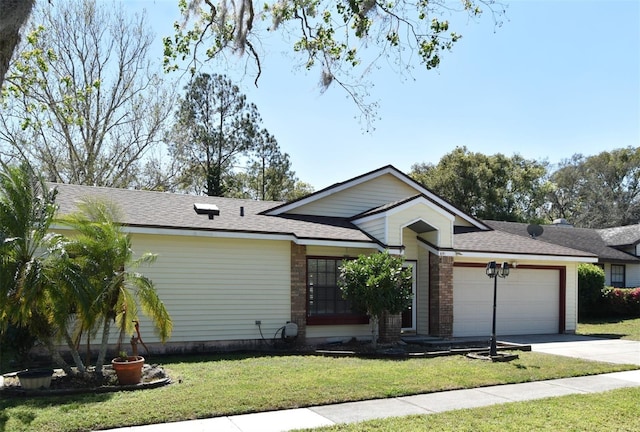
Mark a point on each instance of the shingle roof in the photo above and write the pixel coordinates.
(584, 239)
(499, 241)
(621, 236)
(175, 211)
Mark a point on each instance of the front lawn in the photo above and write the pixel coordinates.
(223, 385)
(612, 411)
(615, 328)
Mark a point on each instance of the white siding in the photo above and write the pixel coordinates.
(375, 227)
(632, 271)
(420, 211)
(322, 332)
(462, 222)
(633, 275)
(571, 317)
(215, 289)
(410, 243)
(357, 199)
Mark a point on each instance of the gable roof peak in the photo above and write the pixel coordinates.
(369, 176)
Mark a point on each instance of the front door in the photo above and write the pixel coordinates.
(409, 315)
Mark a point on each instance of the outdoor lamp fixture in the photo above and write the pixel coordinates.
(493, 271)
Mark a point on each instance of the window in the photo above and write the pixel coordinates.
(325, 304)
(617, 276)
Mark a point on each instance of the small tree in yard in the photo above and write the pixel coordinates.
(377, 284)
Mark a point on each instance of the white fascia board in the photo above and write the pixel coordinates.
(195, 233)
(338, 243)
(243, 235)
(515, 256)
(436, 251)
(422, 200)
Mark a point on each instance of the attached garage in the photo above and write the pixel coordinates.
(528, 302)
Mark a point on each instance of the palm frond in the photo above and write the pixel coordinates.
(151, 305)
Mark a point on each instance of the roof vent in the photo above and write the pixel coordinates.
(209, 209)
(561, 222)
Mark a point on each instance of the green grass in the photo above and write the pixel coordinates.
(611, 328)
(224, 385)
(616, 410)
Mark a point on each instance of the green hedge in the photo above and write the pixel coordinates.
(590, 286)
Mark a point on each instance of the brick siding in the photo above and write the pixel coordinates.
(440, 296)
(299, 289)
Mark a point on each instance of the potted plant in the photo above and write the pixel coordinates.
(34, 379)
(128, 368)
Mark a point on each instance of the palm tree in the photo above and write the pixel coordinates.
(39, 287)
(103, 250)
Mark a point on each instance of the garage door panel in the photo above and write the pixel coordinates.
(528, 302)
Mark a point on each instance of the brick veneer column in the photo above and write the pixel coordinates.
(299, 289)
(440, 295)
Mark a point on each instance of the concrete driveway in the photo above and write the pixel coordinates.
(585, 347)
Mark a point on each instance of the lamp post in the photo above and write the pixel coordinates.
(493, 271)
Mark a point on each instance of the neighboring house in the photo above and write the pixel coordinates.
(617, 248)
(234, 262)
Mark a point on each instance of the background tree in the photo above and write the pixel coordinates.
(376, 284)
(562, 200)
(13, 16)
(487, 187)
(215, 126)
(332, 36)
(268, 175)
(83, 103)
(598, 191)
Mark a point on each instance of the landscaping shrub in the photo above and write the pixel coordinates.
(17, 343)
(590, 286)
(621, 302)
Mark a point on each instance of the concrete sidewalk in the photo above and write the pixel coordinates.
(431, 403)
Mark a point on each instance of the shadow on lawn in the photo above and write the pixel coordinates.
(607, 335)
(22, 409)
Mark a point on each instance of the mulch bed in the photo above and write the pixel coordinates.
(62, 384)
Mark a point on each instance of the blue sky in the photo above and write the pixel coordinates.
(557, 78)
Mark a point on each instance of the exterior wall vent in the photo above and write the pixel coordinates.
(210, 210)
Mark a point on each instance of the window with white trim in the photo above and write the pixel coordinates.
(618, 276)
(325, 304)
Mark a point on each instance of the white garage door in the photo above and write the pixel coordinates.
(528, 302)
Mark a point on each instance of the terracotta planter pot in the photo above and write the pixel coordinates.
(33, 379)
(130, 371)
